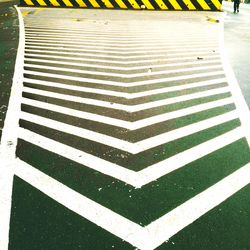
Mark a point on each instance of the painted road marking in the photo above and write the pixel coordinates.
(196, 106)
(155, 233)
(127, 108)
(136, 179)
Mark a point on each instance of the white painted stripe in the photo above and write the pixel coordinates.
(177, 161)
(114, 30)
(185, 131)
(136, 179)
(171, 223)
(126, 124)
(130, 109)
(135, 46)
(79, 204)
(105, 54)
(128, 44)
(80, 132)
(127, 62)
(237, 95)
(98, 33)
(9, 140)
(111, 49)
(123, 94)
(98, 66)
(126, 85)
(155, 233)
(146, 50)
(122, 75)
(133, 148)
(117, 39)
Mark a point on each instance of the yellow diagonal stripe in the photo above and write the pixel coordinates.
(175, 4)
(161, 4)
(203, 4)
(28, 2)
(121, 4)
(25, 13)
(94, 3)
(67, 3)
(189, 4)
(108, 4)
(148, 4)
(41, 3)
(134, 4)
(217, 4)
(54, 3)
(81, 3)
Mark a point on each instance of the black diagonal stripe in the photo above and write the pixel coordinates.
(182, 4)
(101, 3)
(168, 4)
(196, 5)
(155, 5)
(128, 4)
(211, 5)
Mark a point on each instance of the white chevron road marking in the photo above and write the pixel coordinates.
(116, 39)
(126, 63)
(118, 47)
(133, 148)
(159, 42)
(127, 124)
(121, 57)
(102, 49)
(123, 75)
(98, 66)
(128, 96)
(154, 234)
(140, 178)
(124, 53)
(127, 85)
(128, 108)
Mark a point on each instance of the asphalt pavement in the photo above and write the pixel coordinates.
(129, 132)
(237, 39)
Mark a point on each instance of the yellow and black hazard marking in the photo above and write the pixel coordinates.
(129, 4)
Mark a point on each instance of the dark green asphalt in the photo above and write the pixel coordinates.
(40, 223)
(9, 33)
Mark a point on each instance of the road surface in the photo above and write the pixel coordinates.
(132, 134)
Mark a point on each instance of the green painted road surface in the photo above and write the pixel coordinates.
(125, 130)
(8, 47)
